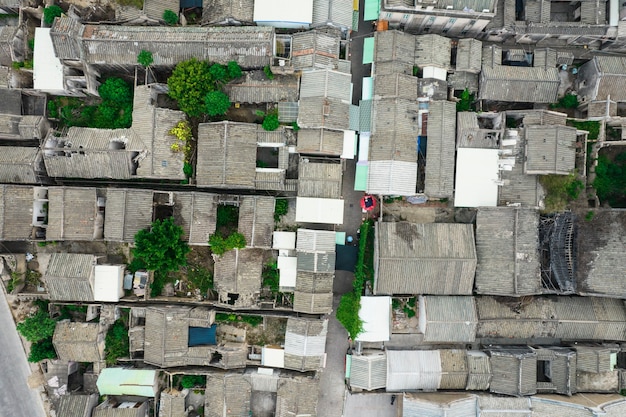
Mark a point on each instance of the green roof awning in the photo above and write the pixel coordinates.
(360, 177)
(368, 50)
(121, 381)
(372, 7)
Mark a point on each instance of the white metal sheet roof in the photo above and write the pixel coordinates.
(476, 178)
(284, 240)
(349, 144)
(319, 210)
(274, 357)
(47, 68)
(375, 312)
(288, 269)
(287, 11)
(109, 283)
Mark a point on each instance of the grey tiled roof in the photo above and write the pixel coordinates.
(394, 46)
(172, 404)
(320, 141)
(432, 50)
(256, 88)
(321, 112)
(238, 271)
(256, 220)
(396, 85)
(439, 174)
(449, 319)
(76, 405)
(226, 154)
(14, 200)
(221, 11)
(319, 179)
(20, 165)
(313, 293)
(231, 391)
(435, 258)
(469, 55)
(250, 46)
(297, 396)
(69, 277)
(550, 149)
(519, 84)
(196, 214)
(72, 213)
(127, 212)
(507, 245)
(79, 342)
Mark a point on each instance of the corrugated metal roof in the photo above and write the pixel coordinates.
(392, 178)
(507, 245)
(315, 49)
(107, 410)
(319, 179)
(305, 343)
(309, 240)
(337, 12)
(550, 149)
(123, 381)
(326, 83)
(448, 319)
(369, 371)
(439, 258)
(409, 370)
(440, 147)
(519, 84)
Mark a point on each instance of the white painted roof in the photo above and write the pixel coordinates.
(47, 68)
(349, 144)
(375, 312)
(288, 269)
(273, 356)
(284, 240)
(319, 210)
(476, 178)
(287, 11)
(108, 283)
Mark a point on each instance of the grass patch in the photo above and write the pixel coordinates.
(238, 318)
(560, 190)
(200, 277)
(281, 208)
(591, 126)
(133, 3)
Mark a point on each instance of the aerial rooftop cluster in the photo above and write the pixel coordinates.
(270, 208)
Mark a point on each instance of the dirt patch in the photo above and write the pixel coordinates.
(431, 212)
(272, 332)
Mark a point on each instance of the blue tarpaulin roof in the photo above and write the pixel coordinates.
(202, 335)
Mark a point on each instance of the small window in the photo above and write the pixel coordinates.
(163, 163)
(544, 371)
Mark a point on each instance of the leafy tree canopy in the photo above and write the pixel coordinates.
(44, 349)
(160, 248)
(50, 12)
(170, 17)
(190, 381)
(465, 102)
(189, 84)
(37, 327)
(116, 89)
(217, 103)
(219, 72)
(234, 70)
(116, 342)
(271, 122)
(145, 58)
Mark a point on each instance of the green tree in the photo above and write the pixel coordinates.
(268, 72)
(270, 122)
(219, 72)
(465, 102)
(568, 101)
(170, 17)
(37, 327)
(217, 244)
(236, 241)
(44, 349)
(234, 70)
(189, 84)
(115, 89)
(216, 103)
(160, 248)
(116, 342)
(145, 58)
(50, 12)
(191, 381)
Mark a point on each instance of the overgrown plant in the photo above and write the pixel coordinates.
(145, 58)
(160, 248)
(50, 13)
(116, 342)
(281, 208)
(170, 17)
(220, 244)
